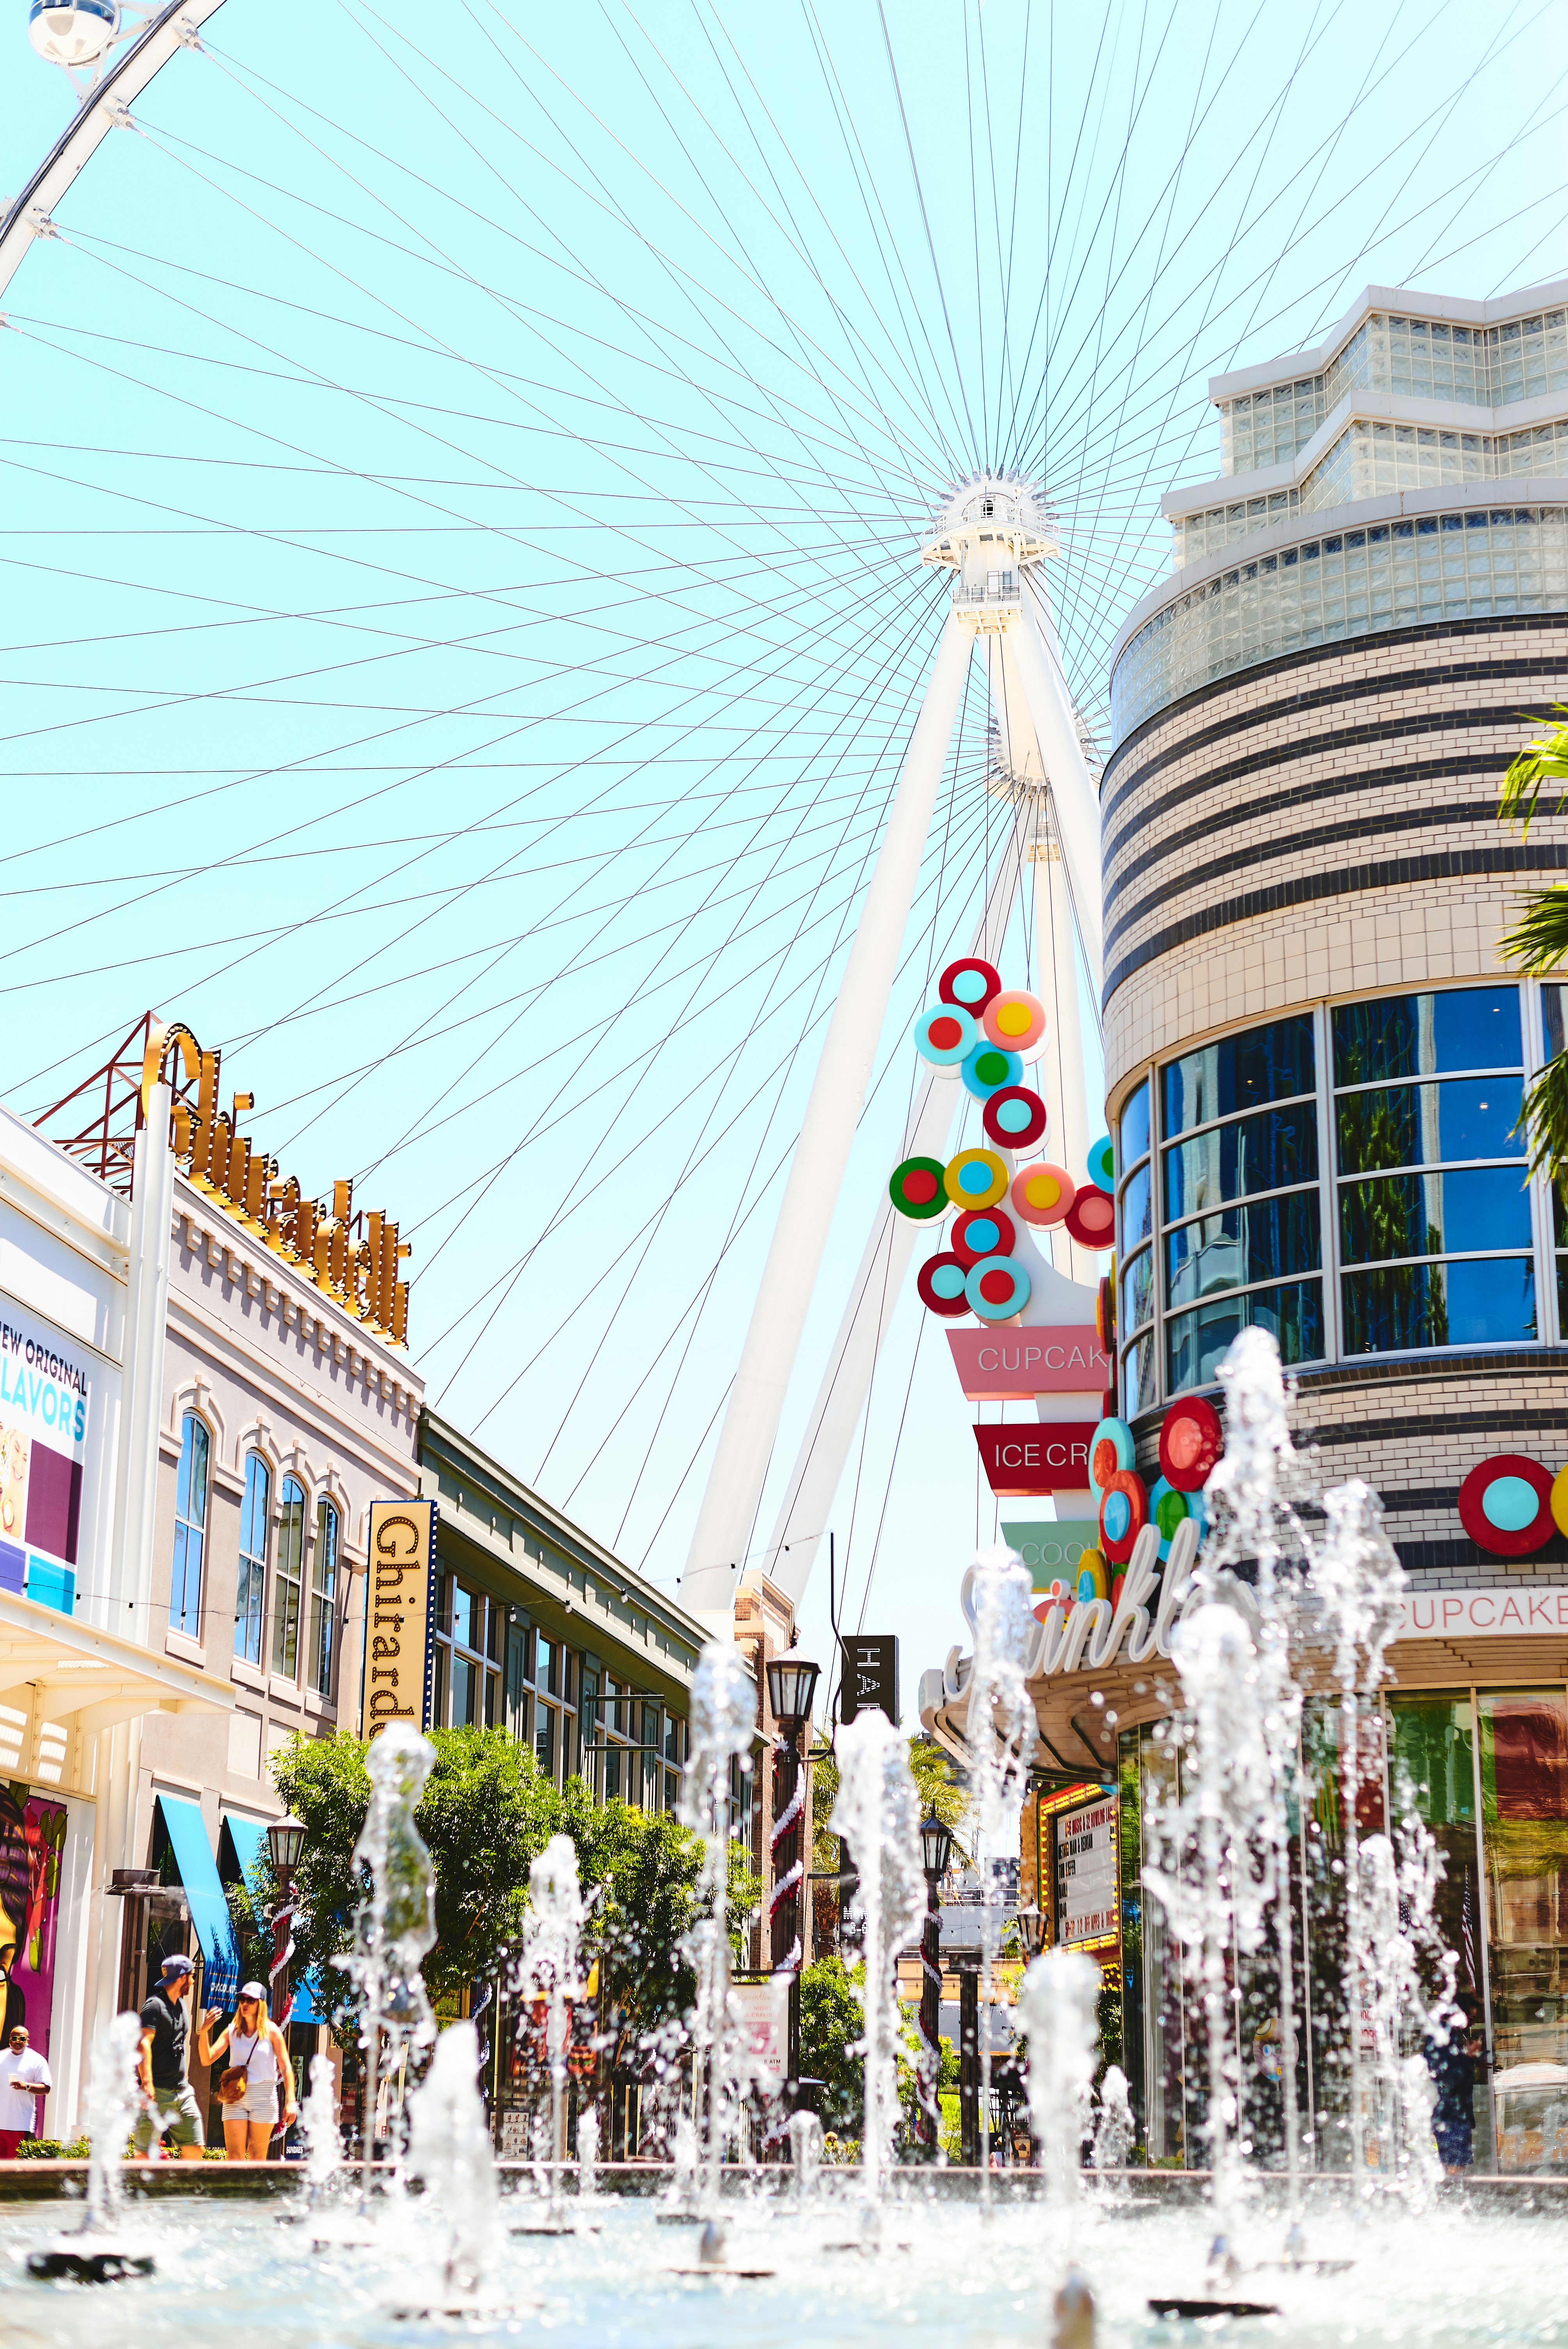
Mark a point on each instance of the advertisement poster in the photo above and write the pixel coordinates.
(1087, 1898)
(32, 1840)
(764, 2010)
(48, 1415)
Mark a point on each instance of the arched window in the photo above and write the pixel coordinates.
(286, 1579)
(251, 1590)
(189, 1529)
(322, 1597)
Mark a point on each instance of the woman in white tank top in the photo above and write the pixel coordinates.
(257, 2047)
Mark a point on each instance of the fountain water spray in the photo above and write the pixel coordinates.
(548, 1971)
(805, 2133)
(1001, 1732)
(1412, 1971)
(1359, 1585)
(395, 1924)
(1114, 2128)
(90, 2253)
(723, 1721)
(1057, 2003)
(449, 2148)
(323, 2152)
(877, 1812)
(1252, 1493)
(587, 2153)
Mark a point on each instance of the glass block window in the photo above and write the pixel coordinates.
(287, 1579)
(1433, 1213)
(1240, 1205)
(251, 1585)
(190, 1528)
(1554, 1027)
(1135, 1254)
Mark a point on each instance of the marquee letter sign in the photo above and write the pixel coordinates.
(871, 1676)
(399, 1614)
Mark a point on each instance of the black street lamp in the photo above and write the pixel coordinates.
(935, 1851)
(285, 1841)
(1032, 1925)
(791, 1688)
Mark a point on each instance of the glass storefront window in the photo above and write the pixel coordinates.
(1231, 1162)
(1432, 1743)
(1137, 1208)
(1135, 1259)
(1137, 1289)
(1427, 1035)
(1524, 1817)
(1243, 1244)
(1133, 1134)
(1196, 1344)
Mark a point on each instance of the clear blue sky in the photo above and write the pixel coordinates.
(462, 478)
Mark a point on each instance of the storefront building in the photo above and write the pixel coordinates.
(1315, 1058)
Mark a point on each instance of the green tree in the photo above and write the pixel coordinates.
(485, 1815)
(831, 2024)
(1538, 942)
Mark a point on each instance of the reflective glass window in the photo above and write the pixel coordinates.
(1425, 1126)
(1474, 1208)
(1138, 1376)
(1423, 1035)
(287, 1577)
(1266, 1153)
(189, 1529)
(1135, 1285)
(323, 1598)
(1244, 1244)
(1196, 1342)
(1132, 1136)
(1477, 1301)
(1262, 1064)
(251, 1587)
(1137, 1208)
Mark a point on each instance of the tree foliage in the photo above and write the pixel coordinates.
(485, 1815)
(1538, 942)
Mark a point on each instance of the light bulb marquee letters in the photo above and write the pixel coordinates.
(353, 1259)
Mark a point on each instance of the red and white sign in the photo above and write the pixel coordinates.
(1494, 1613)
(1050, 1458)
(1087, 1894)
(765, 2020)
(1014, 1364)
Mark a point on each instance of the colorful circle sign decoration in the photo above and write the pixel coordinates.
(1123, 1514)
(972, 983)
(918, 1189)
(1102, 1163)
(976, 1178)
(988, 1069)
(1169, 1508)
(1091, 1218)
(1505, 1504)
(1043, 1194)
(997, 1287)
(1191, 1443)
(1016, 1118)
(983, 1231)
(1111, 1449)
(945, 1036)
(1017, 1020)
(941, 1286)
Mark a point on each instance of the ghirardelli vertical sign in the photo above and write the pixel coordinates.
(871, 1676)
(399, 1625)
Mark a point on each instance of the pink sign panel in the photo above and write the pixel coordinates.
(32, 1839)
(1051, 1457)
(1013, 1364)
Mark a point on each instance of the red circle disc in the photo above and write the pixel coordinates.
(1091, 1218)
(1506, 1541)
(970, 983)
(1191, 1443)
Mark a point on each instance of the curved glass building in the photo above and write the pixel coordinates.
(1315, 1055)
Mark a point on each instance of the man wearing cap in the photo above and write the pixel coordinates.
(25, 2081)
(168, 2100)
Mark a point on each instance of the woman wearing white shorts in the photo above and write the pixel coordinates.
(255, 2046)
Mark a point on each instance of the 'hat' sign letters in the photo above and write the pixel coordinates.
(871, 1676)
(399, 1630)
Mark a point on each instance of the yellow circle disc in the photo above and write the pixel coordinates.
(976, 1178)
(1559, 1500)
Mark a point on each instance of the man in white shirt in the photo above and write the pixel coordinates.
(25, 2081)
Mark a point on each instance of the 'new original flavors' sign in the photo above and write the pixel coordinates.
(53, 1423)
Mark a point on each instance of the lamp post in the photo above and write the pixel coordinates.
(935, 1851)
(791, 1687)
(285, 1841)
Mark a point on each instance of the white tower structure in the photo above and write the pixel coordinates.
(994, 535)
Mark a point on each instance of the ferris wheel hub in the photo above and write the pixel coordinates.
(992, 527)
(72, 33)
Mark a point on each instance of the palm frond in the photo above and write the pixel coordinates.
(1543, 760)
(1543, 1122)
(1538, 939)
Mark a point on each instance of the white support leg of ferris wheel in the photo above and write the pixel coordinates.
(757, 1399)
(1073, 792)
(846, 1382)
(1058, 1072)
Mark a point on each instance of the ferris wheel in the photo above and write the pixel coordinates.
(542, 685)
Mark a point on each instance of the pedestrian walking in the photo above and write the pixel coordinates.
(257, 2068)
(169, 2113)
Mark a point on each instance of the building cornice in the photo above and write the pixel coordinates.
(1441, 309)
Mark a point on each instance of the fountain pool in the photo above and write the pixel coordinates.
(1468, 2274)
